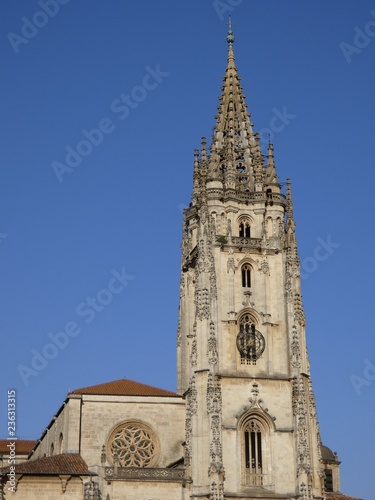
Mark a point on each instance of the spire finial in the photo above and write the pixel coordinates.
(230, 36)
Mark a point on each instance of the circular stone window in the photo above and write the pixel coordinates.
(135, 445)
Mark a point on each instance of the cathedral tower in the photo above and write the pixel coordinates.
(251, 426)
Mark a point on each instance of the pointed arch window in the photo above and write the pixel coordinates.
(253, 454)
(246, 276)
(255, 433)
(244, 229)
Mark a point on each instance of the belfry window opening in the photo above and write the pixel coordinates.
(246, 276)
(244, 230)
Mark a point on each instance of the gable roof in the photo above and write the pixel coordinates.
(124, 387)
(23, 446)
(66, 463)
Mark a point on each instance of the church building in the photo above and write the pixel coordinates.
(242, 423)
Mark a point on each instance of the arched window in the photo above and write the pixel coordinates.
(52, 450)
(253, 454)
(255, 451)
(244, 229)
(246, 275)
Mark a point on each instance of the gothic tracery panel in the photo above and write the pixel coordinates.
(133, 444)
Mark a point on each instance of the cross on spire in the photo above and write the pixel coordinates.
(230, 36)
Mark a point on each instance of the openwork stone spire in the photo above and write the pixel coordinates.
(233, 146)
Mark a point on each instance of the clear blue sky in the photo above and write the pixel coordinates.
(61, 243)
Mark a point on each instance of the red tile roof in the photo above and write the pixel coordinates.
(124, 387)
(23, 446)
(66, 463)
(340, 496)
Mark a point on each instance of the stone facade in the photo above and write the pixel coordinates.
(85, 437)
(45, 487)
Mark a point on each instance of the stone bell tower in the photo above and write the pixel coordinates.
(251, 426)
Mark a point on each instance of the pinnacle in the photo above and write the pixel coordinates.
(271, 176)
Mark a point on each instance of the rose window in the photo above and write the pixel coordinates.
(134, 445)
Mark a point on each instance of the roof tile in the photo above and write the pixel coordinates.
(23, 446)
(124, 387)
(66, 463)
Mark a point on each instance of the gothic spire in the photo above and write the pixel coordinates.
(231, 151)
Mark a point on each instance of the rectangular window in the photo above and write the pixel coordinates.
(328, 482)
